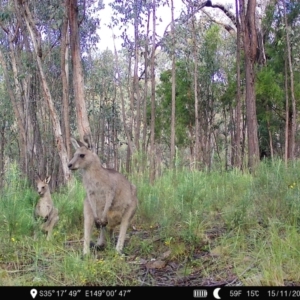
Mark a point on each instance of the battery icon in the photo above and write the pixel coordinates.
(200, 293)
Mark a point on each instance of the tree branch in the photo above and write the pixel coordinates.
(230, 15)
(227, 27)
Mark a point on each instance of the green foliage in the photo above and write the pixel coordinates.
(273, 86)
(269, 95)
(229, 94)
(209, 54)
(185, 112)
(269, 87)
(210, 85)
(16, 204)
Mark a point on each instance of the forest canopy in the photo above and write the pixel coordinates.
(218, 89)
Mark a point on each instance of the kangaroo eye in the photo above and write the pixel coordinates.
(82, 155)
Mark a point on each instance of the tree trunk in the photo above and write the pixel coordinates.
(65, 80)
(270, 139)
(114, 134)
(173, 112)
(237, 146)
(287, 115)
(250, 48)
(36, 40)
(136, 89)
(290, 75)
(152, 125)
(196, 100)
(130, 145)
(146, 58)
(78, 81)
(17, 111)
(131, 114)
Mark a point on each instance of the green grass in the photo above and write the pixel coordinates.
(224, 225)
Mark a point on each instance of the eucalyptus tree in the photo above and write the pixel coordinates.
(32, 33)
(291, 112)
(211, 71)
(8, 130)
(277, 86)
(126, 14)
(146, 79)
(64, 66)
(18, 57)
(118, 84)
(74, 8)
(236, 146)
(173, 110)
(10, 54)
(140, 16)
(184, 107)
(193, 26)
(104, 110)
(36, 37)
(249, 33)
(153, 85)
(188, 18)
(246, 21)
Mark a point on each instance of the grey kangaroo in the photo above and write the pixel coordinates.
(110, 198)
(45, 208)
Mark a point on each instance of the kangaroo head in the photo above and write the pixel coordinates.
(83, 156)
(42, 185)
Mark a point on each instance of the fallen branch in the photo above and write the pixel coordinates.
(17, 271)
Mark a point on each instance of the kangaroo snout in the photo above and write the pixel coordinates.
(71, 166)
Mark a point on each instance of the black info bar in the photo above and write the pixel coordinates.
(152, 292)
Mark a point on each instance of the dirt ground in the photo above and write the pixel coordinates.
(165, 271)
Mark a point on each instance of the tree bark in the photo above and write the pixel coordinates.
(136, 89)
(237, 146)
(84, 129)
(65, 80)
(152, 125)
(290, 75)
(196, 100)
(36, 40)
(146, 58)
(17, 112)
(173, 112)
(130, 145)
(250, 47)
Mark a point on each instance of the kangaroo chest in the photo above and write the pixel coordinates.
(43, 208)
(98, 193)
(99, 189)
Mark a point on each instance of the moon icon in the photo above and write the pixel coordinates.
(216, 293)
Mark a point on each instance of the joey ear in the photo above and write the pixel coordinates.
(47, 179)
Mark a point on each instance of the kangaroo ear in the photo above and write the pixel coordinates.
(77, 144)
(88, 141)
(47, 179)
